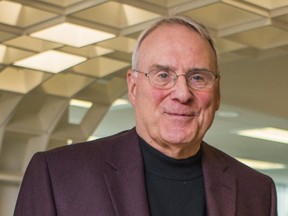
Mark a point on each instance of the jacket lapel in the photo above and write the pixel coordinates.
(125, 178)
(220, 187)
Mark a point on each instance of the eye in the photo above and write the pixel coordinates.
(196, 77)
(162, 75)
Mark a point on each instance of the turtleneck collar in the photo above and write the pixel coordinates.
(161, 165)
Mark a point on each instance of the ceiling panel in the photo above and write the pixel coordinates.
(87, 51)
(20, 80)
(215, 15)
(32, 44)
(8, 55)
(262, 38)
(124, 14)
(66, 84)
(63, 3)
(16, 14)
(268, 4)
(100, 67)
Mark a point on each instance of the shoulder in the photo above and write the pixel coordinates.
(85, 153)
(234, 167)
(98, 145)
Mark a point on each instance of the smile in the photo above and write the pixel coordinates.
(193, 114)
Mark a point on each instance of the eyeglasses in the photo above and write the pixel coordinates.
(165, 78)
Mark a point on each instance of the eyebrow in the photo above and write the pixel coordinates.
(167, 67)
(162, 67)
(198, 70)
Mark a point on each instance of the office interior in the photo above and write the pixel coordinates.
(63, 67)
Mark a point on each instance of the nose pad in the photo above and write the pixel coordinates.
(181, 90)
(185, 82)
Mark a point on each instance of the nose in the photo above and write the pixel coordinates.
(181, 90)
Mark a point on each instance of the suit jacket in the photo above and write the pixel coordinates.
(106, 178)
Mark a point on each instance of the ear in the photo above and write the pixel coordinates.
(131, 82)
(218, 95)
(218, 99)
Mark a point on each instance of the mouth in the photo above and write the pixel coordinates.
(185, 114)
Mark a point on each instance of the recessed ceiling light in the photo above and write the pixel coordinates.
(69, 141)
(120, 104)
(81, 103)
(50, 61)
(72, 35)
(227, 114)
(261, 165)
(92, 138)
(78, 110)
(268, 133)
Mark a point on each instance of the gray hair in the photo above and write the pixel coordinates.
(180, 20)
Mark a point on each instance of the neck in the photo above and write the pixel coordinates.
(175, 150)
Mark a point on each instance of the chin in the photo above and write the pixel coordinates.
(178, 138)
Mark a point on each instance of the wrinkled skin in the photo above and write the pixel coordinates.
(174, 121)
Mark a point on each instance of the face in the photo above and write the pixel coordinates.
(175, 120)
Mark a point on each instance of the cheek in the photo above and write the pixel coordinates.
(208, 104)
(158, 96)
(208, 101)
(151, 97)
(147, 100)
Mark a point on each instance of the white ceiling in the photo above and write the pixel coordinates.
(252, 39)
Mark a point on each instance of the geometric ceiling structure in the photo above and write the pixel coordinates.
(97, 37)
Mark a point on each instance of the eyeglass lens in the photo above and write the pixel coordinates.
(167, 78)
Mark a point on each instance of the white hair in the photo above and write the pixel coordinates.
(179, 20)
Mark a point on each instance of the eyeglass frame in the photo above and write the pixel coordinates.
(175, 77)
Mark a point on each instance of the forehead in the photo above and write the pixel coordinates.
(175, 44)
(166, 30)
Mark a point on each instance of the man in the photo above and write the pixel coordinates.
(162, 166)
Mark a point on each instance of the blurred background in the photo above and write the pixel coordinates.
(63, 65)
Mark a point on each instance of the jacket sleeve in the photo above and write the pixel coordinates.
(273, 200)
(36, 193)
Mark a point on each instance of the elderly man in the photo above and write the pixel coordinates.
(162, 167)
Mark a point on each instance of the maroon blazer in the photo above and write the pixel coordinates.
(106, 178)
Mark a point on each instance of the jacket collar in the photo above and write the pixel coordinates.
(125, 177)
(220, 186)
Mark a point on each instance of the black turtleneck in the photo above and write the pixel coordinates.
(174, 187)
